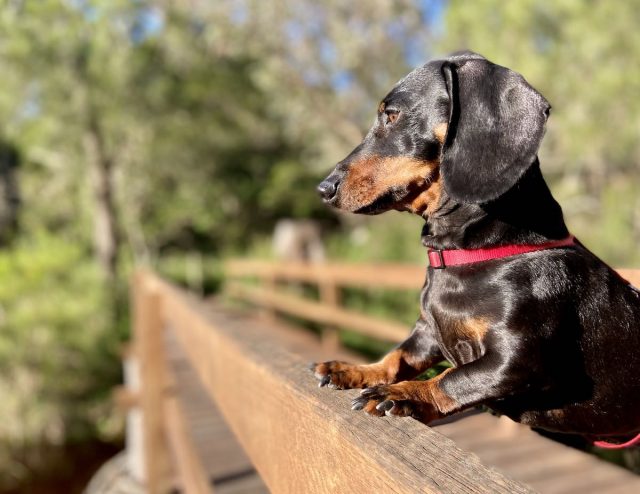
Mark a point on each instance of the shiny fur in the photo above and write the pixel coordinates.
(550, 338)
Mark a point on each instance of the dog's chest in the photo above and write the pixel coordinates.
(460, 327)
(462, 340)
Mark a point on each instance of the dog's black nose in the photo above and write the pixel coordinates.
(327, 189)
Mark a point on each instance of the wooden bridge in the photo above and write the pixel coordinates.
(221, 401)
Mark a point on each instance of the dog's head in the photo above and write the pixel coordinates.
(462, 126)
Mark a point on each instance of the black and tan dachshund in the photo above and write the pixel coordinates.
(550, 338)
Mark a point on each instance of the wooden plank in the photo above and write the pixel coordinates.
(545, 465)
(318, 312)
(150, 348)
(269, 283)
(125, 398)
(248, 484)
(330, 295)
(193, 478)
(215, 444)
(546, 468)
(133, 424)
(127, 350)
(302, 438)
(632, 275)
(399, 276)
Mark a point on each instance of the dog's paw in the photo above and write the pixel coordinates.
(333, 374)
(341, 375)
(396, 400)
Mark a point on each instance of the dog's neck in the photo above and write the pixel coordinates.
(527, 214)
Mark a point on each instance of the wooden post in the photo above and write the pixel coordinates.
(131, 394)
(330, 295)
(269, 313)
(148, 334)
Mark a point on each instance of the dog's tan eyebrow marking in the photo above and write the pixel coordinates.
(381, 107)
(440, 131)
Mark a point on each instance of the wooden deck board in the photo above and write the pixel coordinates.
(515, 450)
(227, 466)
(547, 466)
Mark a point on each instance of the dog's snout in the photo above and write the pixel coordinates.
(327, 189)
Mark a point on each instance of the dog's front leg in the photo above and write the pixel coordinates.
(485, 379)
(412, 357)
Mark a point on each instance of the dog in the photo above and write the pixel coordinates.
(545, 333)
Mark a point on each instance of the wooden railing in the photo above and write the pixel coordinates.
(330, 279)
(298, 438)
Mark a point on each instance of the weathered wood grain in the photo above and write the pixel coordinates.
(305, 439)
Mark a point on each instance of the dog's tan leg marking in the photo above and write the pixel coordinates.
(423, 400)
(393, 367)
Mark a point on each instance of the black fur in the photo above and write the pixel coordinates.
(562, 351)
(495, 128)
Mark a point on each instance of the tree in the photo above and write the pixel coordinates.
(9, 192)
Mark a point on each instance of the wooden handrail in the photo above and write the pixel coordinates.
(304, 439)
(319, 312)
(300, 438)
(167, 445)
(330, 277)
(631, 275)
(394, 276)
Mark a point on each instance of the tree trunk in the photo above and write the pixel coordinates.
(105, 231)
(9, 192)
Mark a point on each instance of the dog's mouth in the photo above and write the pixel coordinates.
(331, 201)
(392, 199)
(400, 196)
(382, 203)
(406, 197)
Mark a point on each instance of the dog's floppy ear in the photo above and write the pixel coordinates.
(496, 124)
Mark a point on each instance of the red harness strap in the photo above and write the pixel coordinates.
(439, 259)
(605, 445)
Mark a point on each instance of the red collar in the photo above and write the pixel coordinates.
(439, 259)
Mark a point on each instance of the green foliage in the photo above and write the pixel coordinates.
(58, 349)
(200, 274)
(392, 237)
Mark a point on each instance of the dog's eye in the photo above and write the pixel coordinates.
(391, 116)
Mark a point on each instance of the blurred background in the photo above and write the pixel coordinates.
(176, 134)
